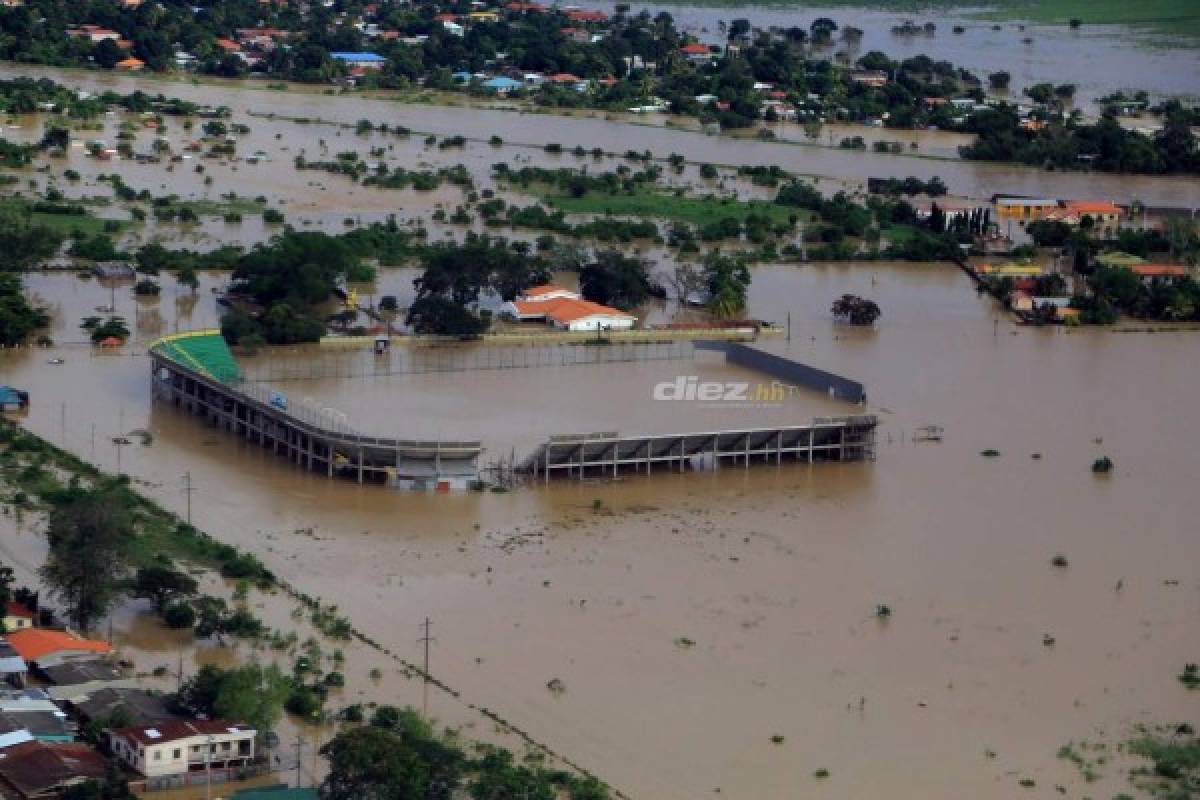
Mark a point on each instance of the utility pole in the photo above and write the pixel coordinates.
(426, 639)
(299, 750)
(208, 767)
(187, 490)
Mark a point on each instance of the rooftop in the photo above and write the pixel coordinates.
(41, 768)
(175, 729)
(564, 310)
(15, 609)
(1159, 270)
(1092, 207)
(140, 706)
(34, 643)
(69, 673)
(371, 57)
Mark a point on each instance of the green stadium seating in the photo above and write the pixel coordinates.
(202, 351)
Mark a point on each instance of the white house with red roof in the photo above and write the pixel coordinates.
(566, 310)
(179, 746)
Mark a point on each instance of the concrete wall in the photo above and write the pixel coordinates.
(788, 371)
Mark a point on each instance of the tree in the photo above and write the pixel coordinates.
(111, 327)
(89, 535)
(617, 280)
(252, 694)
(727, 280)
(24, 244)
(999, 80)
(856, 310)
(371, 763)
(435, 314)
(187, 277)
(107, 53)
(17, 317)
(161, 585)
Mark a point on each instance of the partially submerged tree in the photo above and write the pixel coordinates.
(614, 279)
(162, 585)
(856, 310)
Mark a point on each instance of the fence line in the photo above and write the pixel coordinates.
(412, 361)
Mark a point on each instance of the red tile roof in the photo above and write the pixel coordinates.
(587, 16)
(1091, 207)
(15, 609)
(1160, 270)
(175, 729)
(34, 643)
(545, 288)
(564, 77)
(695, 48)
(564, 310)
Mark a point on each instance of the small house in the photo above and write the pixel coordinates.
(41, 646)
(13, 668)
(1148, 272)
(566, 310)
(502, 85)
(1024, 208)
(17, 616)
(13, 399)
(177, 747)
(32, 770)
(367, 61)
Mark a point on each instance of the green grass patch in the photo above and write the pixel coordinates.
(219, 208)
(66, 224)
(34, 469)
(900, 234)
(697, 211)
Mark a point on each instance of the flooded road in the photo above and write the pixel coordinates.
(523, 131)
(692, 618)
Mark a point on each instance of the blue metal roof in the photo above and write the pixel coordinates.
(502, 83)
(358, 57)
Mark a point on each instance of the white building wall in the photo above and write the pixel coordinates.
(600, 322)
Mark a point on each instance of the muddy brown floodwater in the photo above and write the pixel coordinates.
(590, 129)
(692, 618)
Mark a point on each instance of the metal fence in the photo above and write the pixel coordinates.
(360, 364)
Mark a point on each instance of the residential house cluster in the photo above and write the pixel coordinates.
(60, 683)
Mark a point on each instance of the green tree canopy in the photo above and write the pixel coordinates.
(89, 533)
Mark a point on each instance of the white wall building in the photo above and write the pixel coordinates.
(566, 310)
(179, 746)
